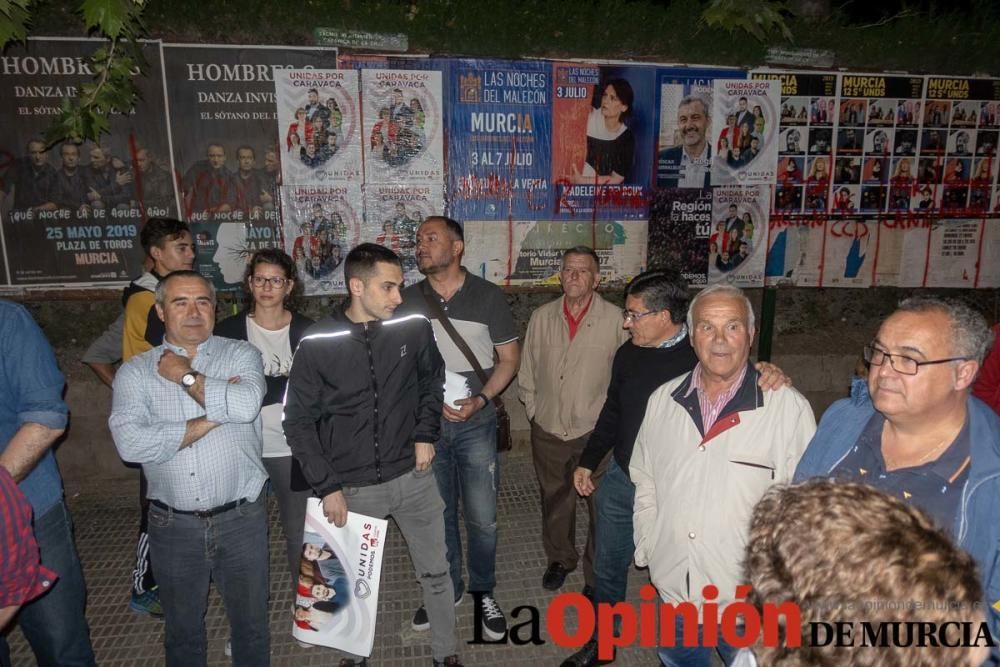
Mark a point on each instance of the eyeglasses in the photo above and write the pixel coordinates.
(276, 283)
(635, 317)
(900, 362)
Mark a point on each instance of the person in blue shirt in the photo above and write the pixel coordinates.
(914, 431)
(32, 417)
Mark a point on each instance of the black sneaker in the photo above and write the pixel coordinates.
(586, 657)
(494, 622)
(420, 620)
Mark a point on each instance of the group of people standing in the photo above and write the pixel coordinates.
(653, 413)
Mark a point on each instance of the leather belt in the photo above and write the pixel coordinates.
(201, 514)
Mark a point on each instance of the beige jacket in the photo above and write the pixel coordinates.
(563, 383)
(694, 496)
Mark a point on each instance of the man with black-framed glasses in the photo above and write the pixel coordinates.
(914, 431)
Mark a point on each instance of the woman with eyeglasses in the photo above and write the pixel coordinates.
(271, 324)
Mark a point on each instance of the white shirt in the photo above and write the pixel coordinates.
(276, 352)
(692, 172)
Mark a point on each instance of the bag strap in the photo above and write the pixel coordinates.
(437, 311)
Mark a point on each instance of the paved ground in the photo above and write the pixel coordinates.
(107, 519)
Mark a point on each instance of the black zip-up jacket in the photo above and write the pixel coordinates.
(359, 396)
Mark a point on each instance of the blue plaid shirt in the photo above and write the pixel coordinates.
(149, 416)
(31, 388)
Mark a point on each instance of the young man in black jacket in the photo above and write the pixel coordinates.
(362, 411)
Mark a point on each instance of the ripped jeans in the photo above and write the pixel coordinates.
(466, 468)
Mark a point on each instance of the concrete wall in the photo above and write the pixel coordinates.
(817, 340)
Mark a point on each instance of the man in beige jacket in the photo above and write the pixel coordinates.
(565, 370)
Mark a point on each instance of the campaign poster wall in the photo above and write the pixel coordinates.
(737, 245)
(603, 134)
(71, 214)
(319, 125)
(956, 167)
(530, 252)
(850, 251)
(499, 145)
(393, 213)
(336, 597)
(403, 125)
(321, 225)
(795, 248)
(807, 119)
(684, 121)
(224, 128)
(901, 259)
(745, 121)
(680, 223)
(869, 107)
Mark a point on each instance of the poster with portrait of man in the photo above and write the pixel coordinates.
(745, 117)
(603, 135)
(392, 214)
(319, 125)
(224, 126)
(403, 125)
(684, 112)
(321, 225)
(71, 213)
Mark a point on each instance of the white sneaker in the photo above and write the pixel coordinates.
(229, 648)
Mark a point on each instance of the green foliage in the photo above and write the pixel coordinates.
(761, 19)
(114, 66)
(14, 20)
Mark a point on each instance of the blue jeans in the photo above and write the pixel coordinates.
(55, 624)
(466, 467)
(698, 656)
(231, 549)
(614, 547)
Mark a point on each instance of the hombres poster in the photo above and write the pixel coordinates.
(72, 213)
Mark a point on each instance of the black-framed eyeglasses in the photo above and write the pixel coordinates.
(635, 317)
(276, 282)
(900, 362)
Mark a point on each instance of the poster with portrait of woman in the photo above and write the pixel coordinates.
(336, 595)
(745, 122)
(403, 135)
(319, 125)
(602, 140)
(737, 244)
(321, 224)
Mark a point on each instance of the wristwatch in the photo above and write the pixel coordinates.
(189, 379)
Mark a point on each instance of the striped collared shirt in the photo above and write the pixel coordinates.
(149, 416)
(711, 409)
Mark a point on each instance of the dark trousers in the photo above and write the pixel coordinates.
(555, 460)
